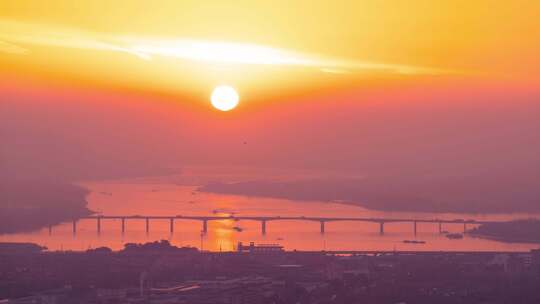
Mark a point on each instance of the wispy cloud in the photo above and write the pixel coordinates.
(12, 48)
(16, 37)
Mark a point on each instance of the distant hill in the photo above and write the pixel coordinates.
(27, 205)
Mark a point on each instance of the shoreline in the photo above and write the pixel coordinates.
(37, 248)
(504, 239)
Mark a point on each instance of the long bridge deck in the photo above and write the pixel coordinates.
(289, 218)
(204, 219)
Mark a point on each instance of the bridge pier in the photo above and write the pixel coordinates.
(414, 223)
(464, 227)
(99, 225)
(322, 227)
(123, 225)
(440, 227)
(381, 227)
(74, 226)
(263, 227)
(147, 225)
(171, 225)
(50, 229)
(205, 226)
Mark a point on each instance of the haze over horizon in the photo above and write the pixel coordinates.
(446, 93)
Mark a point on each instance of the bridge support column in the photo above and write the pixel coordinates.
(171, 225)
(415, 227)
(205, 226)
(464, 227)
(263, 227)
(74, 226)
(147, 225)
(50, 229)
(123, 225)
(322, 227)
(99, 225)
(440, 227)
(381, 227)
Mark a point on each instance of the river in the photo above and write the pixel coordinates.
(178, 195)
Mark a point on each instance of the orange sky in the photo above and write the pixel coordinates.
(322, 84)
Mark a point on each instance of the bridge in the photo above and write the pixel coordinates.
(264, 219)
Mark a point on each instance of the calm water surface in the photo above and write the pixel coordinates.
(178, 196)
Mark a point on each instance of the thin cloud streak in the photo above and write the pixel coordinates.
(15, 33)
(12, 48)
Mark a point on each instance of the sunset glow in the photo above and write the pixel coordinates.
(330, 49)
(411, 98)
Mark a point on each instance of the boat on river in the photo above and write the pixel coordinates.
(454, 236)
(414, 242)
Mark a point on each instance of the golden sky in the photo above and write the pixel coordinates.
(267, 48)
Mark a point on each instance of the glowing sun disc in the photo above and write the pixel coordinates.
(224, 98)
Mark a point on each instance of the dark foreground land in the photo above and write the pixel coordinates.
(161, 273)
(27, 205)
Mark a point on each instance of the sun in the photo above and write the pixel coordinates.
(224, 98)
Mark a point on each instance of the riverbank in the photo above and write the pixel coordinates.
(519, 231)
